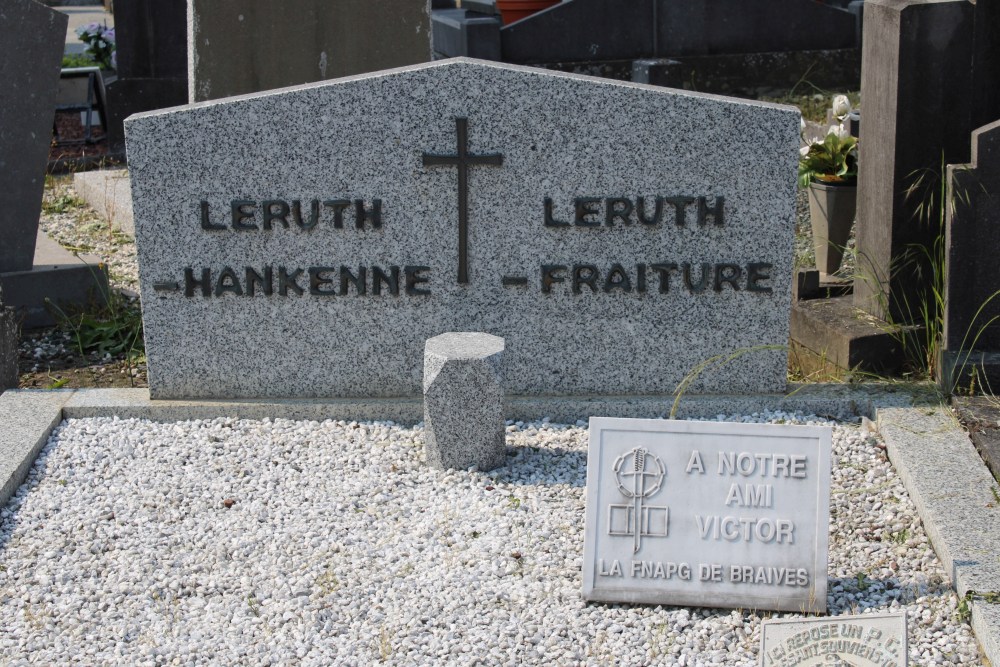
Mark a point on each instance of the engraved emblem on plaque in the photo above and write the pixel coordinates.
(639, 475)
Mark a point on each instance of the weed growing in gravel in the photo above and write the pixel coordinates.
(62, 203)
(900, 537)
(111, 327)
(254, 605)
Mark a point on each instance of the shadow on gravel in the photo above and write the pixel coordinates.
(543, 467)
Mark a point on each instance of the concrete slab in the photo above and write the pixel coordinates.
(108, 191)
(28, 418)
(59, 276)
(957, 500)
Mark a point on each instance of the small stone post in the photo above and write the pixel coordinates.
(463, 401)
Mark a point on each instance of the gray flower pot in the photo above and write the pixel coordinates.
(831, 211)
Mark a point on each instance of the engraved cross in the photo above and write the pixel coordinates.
(463, 160)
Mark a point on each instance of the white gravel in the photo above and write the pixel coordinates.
(340, 547)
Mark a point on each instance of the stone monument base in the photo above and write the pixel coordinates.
(57, 275)
(831, 336)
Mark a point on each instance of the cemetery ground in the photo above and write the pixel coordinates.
(230, 542)
(372, 594)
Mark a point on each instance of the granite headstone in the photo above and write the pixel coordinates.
(30, 56)
(615, 235)
(244, 47)
(707, 514)
(928, 80)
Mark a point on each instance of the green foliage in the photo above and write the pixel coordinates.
(964, 611)
(77, 60)
(112, 328)
(62, 203)
(833, 160)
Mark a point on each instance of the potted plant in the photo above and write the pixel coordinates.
(515, 10)
(829, 169)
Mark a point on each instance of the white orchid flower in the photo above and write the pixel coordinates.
(839, 131)
(841, 106)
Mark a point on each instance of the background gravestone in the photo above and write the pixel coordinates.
(368, 214)
(971, 340)
(711, 45)
(151, 51)
(926, 70)
(30, 58)
(245, 47)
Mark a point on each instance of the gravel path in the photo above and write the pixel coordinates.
(76, 226)
(237, 542)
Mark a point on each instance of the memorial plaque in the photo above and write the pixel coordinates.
(871, 640)
(707, 514)
(306, 242)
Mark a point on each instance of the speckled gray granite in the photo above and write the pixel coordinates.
(107, 191)
(463, 401)
(958, 500)
(26, 419)
(595, 302)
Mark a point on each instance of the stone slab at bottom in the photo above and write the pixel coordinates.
(58, 275)
(861, 639)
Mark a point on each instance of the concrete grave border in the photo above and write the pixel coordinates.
(933, 455)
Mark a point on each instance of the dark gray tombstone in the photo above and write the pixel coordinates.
(602, 30)
(30, 57)
(152, 62)
(971, 337)
(34, 270)
(245, 47)
(986, 55)
(921, 98)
